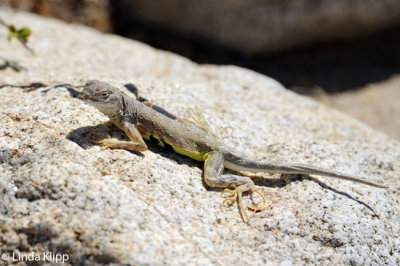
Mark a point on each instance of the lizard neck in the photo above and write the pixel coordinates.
(124, 110)
(112, 109)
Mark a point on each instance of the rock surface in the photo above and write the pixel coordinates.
(60, 193)
(257, 26)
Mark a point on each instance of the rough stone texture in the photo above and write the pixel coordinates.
(61, 193)
(260, 26)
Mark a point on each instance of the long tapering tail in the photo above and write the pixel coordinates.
(236, 163)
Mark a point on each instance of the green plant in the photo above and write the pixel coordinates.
(20, 34)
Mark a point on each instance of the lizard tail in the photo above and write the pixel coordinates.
(240, 164)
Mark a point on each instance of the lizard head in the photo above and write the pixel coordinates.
(103, 96)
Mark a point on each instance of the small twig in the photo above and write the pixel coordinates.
(26, 46)
(2, 22)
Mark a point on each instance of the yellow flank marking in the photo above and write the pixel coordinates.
(146, 136)
(194, 155)
(160, 141)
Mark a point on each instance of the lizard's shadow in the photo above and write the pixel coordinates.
(85, 136)
(286, 179)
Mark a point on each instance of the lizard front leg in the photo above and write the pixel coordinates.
(136, 142)
(213, 168)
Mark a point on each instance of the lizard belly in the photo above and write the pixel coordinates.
(194, 155)
(198, 156)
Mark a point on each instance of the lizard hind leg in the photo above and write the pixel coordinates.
(213, 167)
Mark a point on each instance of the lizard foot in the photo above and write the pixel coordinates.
(106, 141)
(236, 196)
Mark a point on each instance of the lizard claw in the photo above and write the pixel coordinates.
(236, 196)
(232, 197)
(261, 206)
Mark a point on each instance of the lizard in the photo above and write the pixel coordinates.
(140, 121)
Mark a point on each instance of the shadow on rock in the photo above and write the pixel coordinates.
(287, 179)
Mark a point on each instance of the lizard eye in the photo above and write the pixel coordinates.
(104, 94)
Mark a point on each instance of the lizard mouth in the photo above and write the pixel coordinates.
(83, 96)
